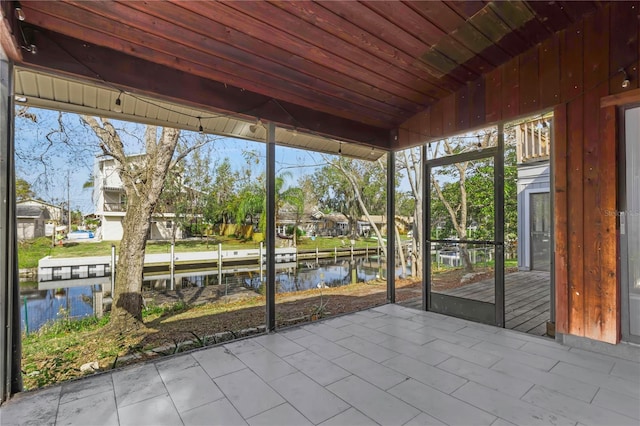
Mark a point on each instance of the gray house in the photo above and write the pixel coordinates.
(31, 220)
(534, 202)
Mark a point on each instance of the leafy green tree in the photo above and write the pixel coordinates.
(23, 190)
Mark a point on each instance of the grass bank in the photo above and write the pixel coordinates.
(56, 352)
(29, 252)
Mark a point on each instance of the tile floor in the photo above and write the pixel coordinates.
(389, 365)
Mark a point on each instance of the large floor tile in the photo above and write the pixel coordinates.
(278, 344)
(437, 404)
(365, 333)
(596, 378)
(326, 331)
(282, 415)
(490, 378)
(580, 359)
(511, 409)
(323, 347)
(79, 389)
(423, 419)
(157, 411)
(373, 372)
(351, 417)
(31, 408)
(373, 402)
(537, 361)
(367, 349)
(217, 413)
(618, 402)
(419, 352)
(312, 400)
(188, 384)
(136, 384)
(425, 373)
(481, 358)
(584, 413)
(248, 393)
(265, 364)
(218, 361)
(317, 368)
(96, 409)
(399, 331)
(565, 385)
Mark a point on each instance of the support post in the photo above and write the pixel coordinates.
(391, 227)
(270, 311)
(425, 240)
(113, 271)
(498, 198)
(260, 254)
(219, 263)
(172, 268)
(10, 344)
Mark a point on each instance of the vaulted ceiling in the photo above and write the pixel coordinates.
(349, 70)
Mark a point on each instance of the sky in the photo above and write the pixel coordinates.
(55, 161)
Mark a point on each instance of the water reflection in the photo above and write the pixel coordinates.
(86, 296)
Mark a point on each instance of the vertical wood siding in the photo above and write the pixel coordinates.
(571, 71)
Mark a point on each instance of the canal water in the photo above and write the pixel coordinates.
(39, 306)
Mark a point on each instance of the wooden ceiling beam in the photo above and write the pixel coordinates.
(75, 58)
(8, 37)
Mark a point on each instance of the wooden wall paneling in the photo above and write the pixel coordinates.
(575, 211)
(623, 52)
(596, 49)
(610, 305)
(404, 136)
(510, 89)
(529, 81)
(462, 108)
(413, 127)
(437, 127)
(549, 72)
(425, 125)
(571, 59)
(592, 214)
(493, 98)
(559, 146)
(449, 114)
(477, 102)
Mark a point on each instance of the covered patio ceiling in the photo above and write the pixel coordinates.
(351, 71)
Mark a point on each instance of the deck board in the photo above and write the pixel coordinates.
(527, 299)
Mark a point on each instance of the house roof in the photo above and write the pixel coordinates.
(43, 203)
(347, 70)
(34, 212)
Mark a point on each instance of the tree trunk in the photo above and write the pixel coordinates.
(126, 311)
(142, 179)
(403, 262)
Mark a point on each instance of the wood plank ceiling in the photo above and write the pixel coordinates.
(350, 70)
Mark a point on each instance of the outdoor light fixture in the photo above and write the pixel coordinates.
(118, 104)
(200, 129)
(340, 149)
(254, 127)
(625, 82)
(20, 99)
(20, 13)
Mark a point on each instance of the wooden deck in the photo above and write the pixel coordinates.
(527, 299)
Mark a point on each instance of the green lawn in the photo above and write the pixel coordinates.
(29, 252)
